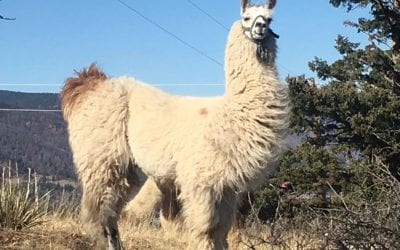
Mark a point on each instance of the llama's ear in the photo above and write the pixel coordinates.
(244, 5)
(271, 4)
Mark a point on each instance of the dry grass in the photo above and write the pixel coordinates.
(55, 226)
(152, 237)
(65, 233)
(54, 234)
(262, 237)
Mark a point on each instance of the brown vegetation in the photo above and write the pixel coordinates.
(67, 233)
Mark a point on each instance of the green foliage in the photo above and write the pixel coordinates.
(350, 127)
(359, 109)
(308, 176)
(310, 167)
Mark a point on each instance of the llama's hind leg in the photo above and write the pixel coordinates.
(144, 205)
(170, 218)
(149, 200)
(103, 199)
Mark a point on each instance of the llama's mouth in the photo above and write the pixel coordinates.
(259, 35)
(260, 31)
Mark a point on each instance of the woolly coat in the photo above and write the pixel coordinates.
(208, 148)
(204, 142)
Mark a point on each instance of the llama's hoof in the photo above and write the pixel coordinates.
(114, 242)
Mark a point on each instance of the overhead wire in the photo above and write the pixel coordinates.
(154, 23)
(29, 84)
(32, 110)
(157, 85)
(215, 20)
(176, 37)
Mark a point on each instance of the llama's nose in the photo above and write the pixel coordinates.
(260, 27)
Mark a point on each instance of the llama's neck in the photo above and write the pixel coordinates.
(254, 112)
(247, 77)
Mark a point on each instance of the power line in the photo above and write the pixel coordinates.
(285, 68)
(198, 51)
(156, 85)
(30, 84)
(187, 84)
(215, 20)
(208, 14)
(172, 35)
(183, 41)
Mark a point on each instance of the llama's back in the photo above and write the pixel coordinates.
(160, 125)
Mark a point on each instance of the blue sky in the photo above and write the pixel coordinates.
(51, 39)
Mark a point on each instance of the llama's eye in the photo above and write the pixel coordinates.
(269, 20)
(246, 19)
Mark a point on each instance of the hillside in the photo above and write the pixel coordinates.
(35, 140)
(10, 99)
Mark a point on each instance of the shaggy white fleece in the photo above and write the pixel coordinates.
(207, 148)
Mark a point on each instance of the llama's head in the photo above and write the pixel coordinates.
(255, 22)
(256, 19)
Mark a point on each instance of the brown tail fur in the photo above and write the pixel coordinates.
(75, 88)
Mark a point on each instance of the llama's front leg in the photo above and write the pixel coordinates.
(198, 210)
(209, 217)
(225, 211)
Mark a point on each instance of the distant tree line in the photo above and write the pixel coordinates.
(33, 139)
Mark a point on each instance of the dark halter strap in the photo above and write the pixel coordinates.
(261, 52)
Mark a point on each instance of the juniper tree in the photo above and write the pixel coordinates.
(350, 119)
(360, 106)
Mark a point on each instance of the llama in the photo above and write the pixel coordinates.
(150, 198)
(204, 149)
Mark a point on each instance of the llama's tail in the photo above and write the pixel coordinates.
(75, 88)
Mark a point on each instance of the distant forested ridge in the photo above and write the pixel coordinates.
(36, 140)
(10, 99)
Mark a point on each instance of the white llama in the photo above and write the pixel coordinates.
(205, 149)
(150, 198)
